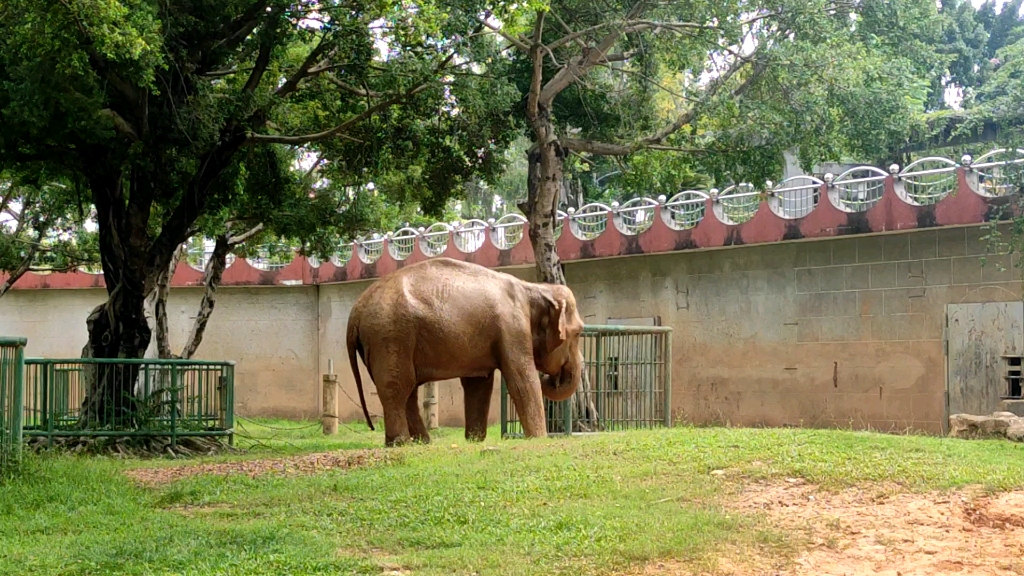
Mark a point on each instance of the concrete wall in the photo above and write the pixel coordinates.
(814, 333)
(823, 333)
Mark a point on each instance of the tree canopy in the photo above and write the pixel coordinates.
(176, 117)
(42, 226)
(978, 96)
(683, 92)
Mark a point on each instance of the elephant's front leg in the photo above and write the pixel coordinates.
(477, 394)
(417, 429)
(524, 387)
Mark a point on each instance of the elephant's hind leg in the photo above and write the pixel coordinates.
(477, 394)
(417, 428)
(396, 382)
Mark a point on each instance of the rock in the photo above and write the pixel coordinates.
(1016, 431)
(973, 426)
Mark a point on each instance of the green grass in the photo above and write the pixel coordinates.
(585, 505)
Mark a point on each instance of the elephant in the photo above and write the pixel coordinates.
(442, 319)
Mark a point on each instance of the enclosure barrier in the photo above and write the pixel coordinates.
(12, 365)
(627, 384)
(116, 397)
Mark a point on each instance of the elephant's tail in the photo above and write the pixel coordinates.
(354, 345)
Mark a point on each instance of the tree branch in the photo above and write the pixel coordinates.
(303, 71)
(352, 89)
(337, 130)
(121, 126)
(575, 69)
(233, 33)
(537, 77)
(622, 57)
(212, 277)
(262, 62)
(610, 149)
(162, 291)
(222, 73)
(235, 240)
(709, 93)
(518, 43)
(176, 228)
(25, 265)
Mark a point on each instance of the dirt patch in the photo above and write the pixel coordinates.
(878, 530)
(295, 465)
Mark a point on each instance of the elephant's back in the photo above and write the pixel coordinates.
(443, 298)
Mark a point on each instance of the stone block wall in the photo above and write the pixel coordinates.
(844, 332)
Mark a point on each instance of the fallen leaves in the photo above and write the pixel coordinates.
(295, 465)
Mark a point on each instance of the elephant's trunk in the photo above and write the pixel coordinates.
(561, 387)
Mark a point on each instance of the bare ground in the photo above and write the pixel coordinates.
(878, 530)
(305, 464)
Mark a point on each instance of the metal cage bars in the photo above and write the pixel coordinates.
(12, 372)
(627, 384)
(130, 397)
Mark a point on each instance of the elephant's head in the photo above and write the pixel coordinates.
(556, 341)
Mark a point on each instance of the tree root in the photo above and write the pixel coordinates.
(134, 447)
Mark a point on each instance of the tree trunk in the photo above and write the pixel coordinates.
(214, 271)
(543, 191)
(161, 292)
(117, 329)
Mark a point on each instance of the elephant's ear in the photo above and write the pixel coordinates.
(557, 323)
(563, 331)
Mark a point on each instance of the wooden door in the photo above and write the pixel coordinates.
(977, 338)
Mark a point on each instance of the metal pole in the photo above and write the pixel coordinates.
(174, 406)
(47, 371)
(598, 384)
(19, 399)
(668, 379)
(231, 404)
(567, 406)
(504, 408)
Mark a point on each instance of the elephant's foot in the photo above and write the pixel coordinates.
(476, 435)
(396, 441)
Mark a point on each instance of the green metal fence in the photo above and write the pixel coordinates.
(128, 397)
(12, 365)
(627, 384)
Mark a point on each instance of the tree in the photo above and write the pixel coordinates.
(972, 99)
(172, 111)
(42, 227)
(726, 85)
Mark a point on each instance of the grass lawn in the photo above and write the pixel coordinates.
(585, 505)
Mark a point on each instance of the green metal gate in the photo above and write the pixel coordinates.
(627, 384)
(12, 374)
(172, 398)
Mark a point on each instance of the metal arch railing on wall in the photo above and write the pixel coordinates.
(921, 183)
